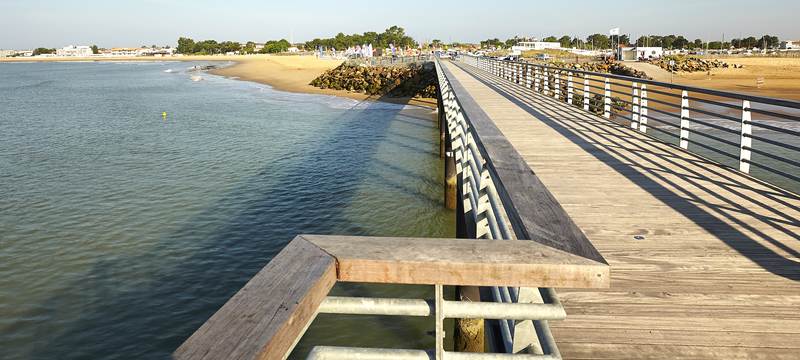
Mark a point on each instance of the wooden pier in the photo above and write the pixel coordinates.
(705, 259)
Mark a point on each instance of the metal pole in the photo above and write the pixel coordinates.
(570, 88)
(439, 293)
(746, 139)
(635, 108)
(643, 109)
(684, 139)
(558, 84)
(586, 92)
(607, 100)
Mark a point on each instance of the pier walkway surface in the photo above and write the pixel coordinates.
(705, 259)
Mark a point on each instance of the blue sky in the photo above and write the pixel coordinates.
(51, 23)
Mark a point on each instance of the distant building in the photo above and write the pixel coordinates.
(790, 45)
(7, 53)
(535, 45)
(293, 49)
(73, 50)
(639, 52)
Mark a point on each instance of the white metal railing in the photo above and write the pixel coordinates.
(674, 112)
(481, 202)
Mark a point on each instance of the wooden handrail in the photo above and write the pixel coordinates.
(270, 313)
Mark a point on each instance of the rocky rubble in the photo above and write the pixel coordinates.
(691, 64)
(412, 80)
(605, 66)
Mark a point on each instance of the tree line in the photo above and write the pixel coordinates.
(394, 35)
(211, 47)
(602, 41)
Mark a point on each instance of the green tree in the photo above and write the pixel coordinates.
(512, 42)
(749, 42)
(496, 43)
(42, 51)
(274, 47)
(768, 42)
(249, 48)
(565, 41)
(550, 39)
(599, 41)
(680, 43)
(95, 49)
(436, 43)
(185, 45)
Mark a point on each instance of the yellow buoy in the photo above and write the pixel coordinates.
(164, 115)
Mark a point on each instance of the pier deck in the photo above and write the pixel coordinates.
(705, 259)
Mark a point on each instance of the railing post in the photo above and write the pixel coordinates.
(635, 106)
(684, 143)
(517, 72)
(536, 79)
(607, 99)
(546, 83)
(528, 81)
(586, 92)
(747, 140)
(643, 109)
(439, 294)
(557, 75)
(570, 88)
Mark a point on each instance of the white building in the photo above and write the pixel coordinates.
(73, 50)
(7, 53)
(535, 45)
(790, 45)
(639, 52)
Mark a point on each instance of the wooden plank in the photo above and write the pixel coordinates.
(582, 351)
(459, 262)
(265, 318)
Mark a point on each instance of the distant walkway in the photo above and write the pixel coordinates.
(705, 260)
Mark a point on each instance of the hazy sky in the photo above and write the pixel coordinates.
(107, 23)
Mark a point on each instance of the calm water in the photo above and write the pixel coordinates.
(122, 232)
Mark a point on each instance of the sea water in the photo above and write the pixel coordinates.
(122, 230)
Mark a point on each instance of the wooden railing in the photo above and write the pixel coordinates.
(267, 317)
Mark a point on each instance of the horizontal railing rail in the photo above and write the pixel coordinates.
(737, 130)
(267, 317)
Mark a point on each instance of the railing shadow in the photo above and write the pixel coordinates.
(633, 159)
(154, 313)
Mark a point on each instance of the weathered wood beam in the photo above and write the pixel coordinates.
(463, 262)
(266, 317)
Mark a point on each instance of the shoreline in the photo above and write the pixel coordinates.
(289, 73)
